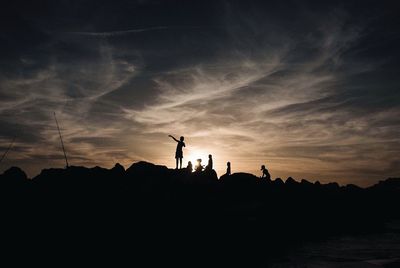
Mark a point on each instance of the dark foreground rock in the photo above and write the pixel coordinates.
(151, 216)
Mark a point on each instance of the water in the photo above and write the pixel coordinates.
(374, 250)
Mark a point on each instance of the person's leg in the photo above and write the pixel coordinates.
(180, 162)
(176, 163)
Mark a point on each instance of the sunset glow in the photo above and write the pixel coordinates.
(310, 91)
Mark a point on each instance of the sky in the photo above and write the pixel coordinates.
(311, 89)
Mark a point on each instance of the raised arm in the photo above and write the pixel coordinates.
(173, 138)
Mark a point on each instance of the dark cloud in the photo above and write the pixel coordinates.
(309, 87)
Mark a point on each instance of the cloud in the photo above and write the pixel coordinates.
(294, 88)
(131, 31)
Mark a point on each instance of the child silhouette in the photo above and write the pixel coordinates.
(199, 166)
(179, 150)
(189, 166)
(210, 163)
(228, 168)
(265, 173)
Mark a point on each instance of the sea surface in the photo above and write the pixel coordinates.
(364, 251)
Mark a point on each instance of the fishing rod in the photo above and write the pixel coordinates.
(8, 149)
(62, 143)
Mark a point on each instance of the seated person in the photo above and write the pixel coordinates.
(189, 167)
(265, 173)
(198, 167)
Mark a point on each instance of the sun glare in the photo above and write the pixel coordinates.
(194, 154)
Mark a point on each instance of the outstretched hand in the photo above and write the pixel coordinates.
(172, 137)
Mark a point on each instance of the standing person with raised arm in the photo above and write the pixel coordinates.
(179, 150)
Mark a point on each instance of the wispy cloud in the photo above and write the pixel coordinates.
(131, 31)
(295, 92)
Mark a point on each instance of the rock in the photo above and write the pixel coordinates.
(291, 181)
(118, 168)
(278, 182)
(13, 176)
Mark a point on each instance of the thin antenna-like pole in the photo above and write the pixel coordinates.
(62, 143)
(8, 149)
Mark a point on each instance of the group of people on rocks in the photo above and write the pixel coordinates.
(199, 167)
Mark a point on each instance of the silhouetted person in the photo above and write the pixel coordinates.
(199, 167)
(189, 166)
(228, 168)
(265, 173)
(179, 150)
(210, 163)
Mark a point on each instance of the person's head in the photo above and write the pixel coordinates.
(182, 138)
(263, 167)
(189, 163)
(209, 156)
(228, 164)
